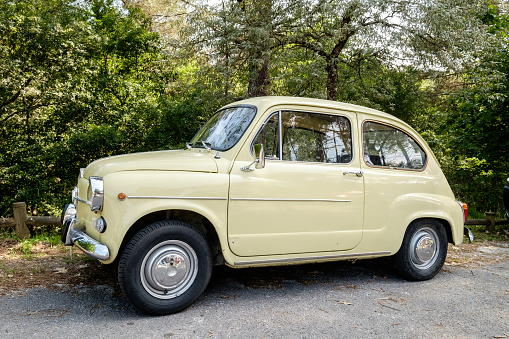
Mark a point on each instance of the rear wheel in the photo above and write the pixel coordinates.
(165, 267)
(423, 251)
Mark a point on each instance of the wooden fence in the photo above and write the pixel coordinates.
(21, 220)
(489, 222)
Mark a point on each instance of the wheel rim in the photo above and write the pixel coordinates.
(424, 248)
(169, 269)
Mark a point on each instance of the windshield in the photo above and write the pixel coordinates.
(225, 128)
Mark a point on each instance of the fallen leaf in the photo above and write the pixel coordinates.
(227, 296)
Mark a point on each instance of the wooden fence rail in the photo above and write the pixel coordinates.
(21, 220)
(489, 222)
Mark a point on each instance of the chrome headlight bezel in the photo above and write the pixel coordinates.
(95, 194)
(75, 196)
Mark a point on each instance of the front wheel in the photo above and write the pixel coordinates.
(165, 267)
(423, 251)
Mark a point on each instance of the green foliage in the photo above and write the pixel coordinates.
(45, 235)
(479, 122)
(80, 80)
(475, 130)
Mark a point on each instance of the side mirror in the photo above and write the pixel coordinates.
(259, 159)
(259, 154)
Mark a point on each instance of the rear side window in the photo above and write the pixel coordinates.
(387, 146)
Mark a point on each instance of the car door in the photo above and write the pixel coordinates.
(309, 197)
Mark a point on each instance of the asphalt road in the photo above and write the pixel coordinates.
(334, 300)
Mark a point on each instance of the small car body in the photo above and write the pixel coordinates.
(267, 181)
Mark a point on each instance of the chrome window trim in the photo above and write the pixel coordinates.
(280, 135)
(402, 131)
(280, 130)
(314, 258)
(251, 146)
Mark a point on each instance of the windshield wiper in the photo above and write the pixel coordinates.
(201, 143)
(206, 145)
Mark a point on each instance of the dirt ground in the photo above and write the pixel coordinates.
(53, 266)
(49, 266)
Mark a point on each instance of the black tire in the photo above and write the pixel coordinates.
(165, 267)
(423, 251)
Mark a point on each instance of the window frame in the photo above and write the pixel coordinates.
(280, 136)
(425, 165)
(280, 147)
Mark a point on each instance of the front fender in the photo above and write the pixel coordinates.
(151, 191)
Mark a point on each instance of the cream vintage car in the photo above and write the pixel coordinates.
(267, 181)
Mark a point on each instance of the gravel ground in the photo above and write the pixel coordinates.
(333, 300)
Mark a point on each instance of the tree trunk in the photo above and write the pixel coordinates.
(259, 78)
(332, 78)
(260, 14)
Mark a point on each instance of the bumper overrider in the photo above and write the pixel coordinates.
(73, 235)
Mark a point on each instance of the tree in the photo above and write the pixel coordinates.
(244, 35)
(430, 33)
(40, 50)
(240, 36)
(477, 124)
(80, 80)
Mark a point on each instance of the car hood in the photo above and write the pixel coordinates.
(181, 160)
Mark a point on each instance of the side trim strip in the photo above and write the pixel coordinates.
(181, 198)
(236, 199)
(289, 260)
(305, 200)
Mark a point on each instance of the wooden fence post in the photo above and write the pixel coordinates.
(491, 217)
(20, 215)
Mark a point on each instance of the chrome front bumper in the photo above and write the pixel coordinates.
(72, 235)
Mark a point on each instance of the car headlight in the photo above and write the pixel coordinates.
(95, 193)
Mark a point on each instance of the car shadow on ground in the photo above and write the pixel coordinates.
(306, 274)
(227, 282)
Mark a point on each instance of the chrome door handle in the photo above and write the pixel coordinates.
(357, 173)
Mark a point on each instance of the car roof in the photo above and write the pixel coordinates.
(264, 103)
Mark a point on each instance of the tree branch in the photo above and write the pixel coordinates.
(15, 96)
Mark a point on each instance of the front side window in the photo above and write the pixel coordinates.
(388, 146)
(225, 128)
(309, 137)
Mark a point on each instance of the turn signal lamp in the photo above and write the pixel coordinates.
(465, 210)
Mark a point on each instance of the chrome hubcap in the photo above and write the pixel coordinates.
(424, 248)
(169, 269)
